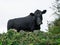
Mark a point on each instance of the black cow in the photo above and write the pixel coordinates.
(29, 23)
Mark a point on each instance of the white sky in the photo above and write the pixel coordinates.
(10, 9)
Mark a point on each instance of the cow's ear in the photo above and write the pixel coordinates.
(44, 11)
(31, 14)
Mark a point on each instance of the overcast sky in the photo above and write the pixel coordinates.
(10, 9)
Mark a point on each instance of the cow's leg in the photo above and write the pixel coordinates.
(32, 28)
(18, 30)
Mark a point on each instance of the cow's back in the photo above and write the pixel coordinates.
(21, 23)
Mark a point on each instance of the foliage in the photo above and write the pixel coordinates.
(29, 38)
(54, 31)
(56, 8)
(55, 28)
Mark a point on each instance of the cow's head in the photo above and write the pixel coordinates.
(38, 16)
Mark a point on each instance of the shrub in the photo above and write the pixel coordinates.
(29, 38)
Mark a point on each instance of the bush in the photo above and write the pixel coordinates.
(28, 38)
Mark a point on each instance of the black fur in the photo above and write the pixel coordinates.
(28, 23)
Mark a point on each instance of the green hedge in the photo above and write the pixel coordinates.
(29, 38)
